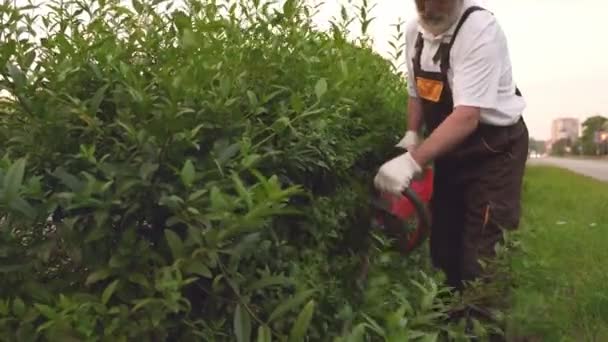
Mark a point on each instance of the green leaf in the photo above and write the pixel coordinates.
(264, 334)
(290, 304)
(18, 307)
(478, 330)
(14, 179)
(297, 103)
(242, 324)
(29, 58)
(321, 88)
(253, 99)
(98, 275)
(46, 311)
(137, 5)
(217, 285)
(289, 8)
(197, 194)
(281, 124)
(172, 201)
(270, 281)
(358, 334)
(241, 190)
(250, 160)
(188, 173)
(298, 331)
(69, 180)
(130, 130)
(97, 98)
(23, 207)
(218, 201)
(139, 279)
(272, 95)
(188, 39)
(109, 291)
(195, 235)
(430, 337)
(141, 303)
(193, 211)
(175, 243)
(225, 85)
(199, 268)
(182, 21)
(374, 325)
(227, 152)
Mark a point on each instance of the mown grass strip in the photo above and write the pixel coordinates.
(561, 272)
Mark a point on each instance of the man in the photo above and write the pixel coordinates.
(461, 89)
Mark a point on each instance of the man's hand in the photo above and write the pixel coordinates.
(409, 141)
(396, 174)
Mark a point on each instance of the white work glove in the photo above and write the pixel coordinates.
(409, 141)
(396, 174)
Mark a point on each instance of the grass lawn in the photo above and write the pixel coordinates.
(561, 268)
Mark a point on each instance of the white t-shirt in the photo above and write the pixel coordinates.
(480, 72)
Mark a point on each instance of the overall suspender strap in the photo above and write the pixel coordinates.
(418, 46)
(446, 48)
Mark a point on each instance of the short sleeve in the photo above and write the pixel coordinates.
(477, 65)
(411, 33)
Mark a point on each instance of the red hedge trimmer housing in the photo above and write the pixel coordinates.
(406, 218)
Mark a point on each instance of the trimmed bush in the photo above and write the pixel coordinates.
(197, 174)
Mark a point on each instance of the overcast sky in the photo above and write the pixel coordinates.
(560, 64)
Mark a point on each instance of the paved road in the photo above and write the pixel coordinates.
(593, 168)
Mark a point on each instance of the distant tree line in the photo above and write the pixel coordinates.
(593, 140)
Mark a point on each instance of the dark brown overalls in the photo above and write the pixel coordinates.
(477, 184)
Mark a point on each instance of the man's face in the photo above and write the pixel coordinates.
(438, 15)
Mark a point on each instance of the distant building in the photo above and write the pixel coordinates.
(565, 128)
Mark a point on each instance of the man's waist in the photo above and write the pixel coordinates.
(498, 126)
(499, 119)
(487, 141)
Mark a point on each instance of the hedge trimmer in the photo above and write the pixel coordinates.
(405, 219)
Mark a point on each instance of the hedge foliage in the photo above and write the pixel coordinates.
(198, 173)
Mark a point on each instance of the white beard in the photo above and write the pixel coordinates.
(437, 27)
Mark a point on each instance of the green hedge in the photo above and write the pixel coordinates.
(197, 174)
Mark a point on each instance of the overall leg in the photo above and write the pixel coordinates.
(492, 206)
(446, 227)
(493, 201)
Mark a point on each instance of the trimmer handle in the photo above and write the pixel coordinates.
(422, 212)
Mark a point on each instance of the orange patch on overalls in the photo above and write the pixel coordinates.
(429, 89)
